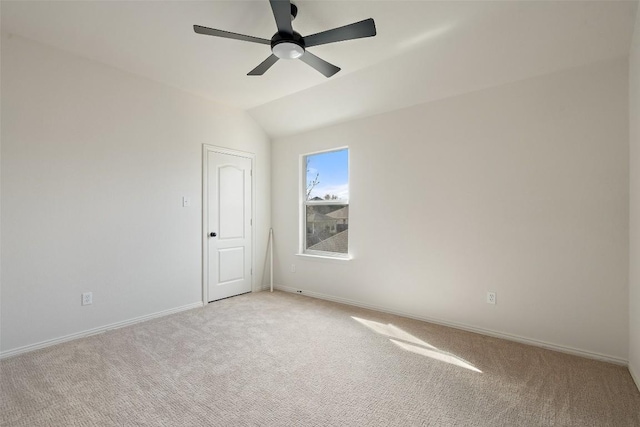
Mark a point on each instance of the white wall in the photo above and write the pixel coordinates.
(634, 247)
(521, 189)
(95, 162)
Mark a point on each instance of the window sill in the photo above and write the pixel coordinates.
(329, 258)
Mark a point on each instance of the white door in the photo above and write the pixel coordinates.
(228, 219)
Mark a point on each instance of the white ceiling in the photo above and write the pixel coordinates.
(424, 50)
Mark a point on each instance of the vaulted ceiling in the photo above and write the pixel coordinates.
(424, 50)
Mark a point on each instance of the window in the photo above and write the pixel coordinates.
(326, 203)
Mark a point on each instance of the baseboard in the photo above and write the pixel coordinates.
(635, 376)
(94, 331)
(464, 327)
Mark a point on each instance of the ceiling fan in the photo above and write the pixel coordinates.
(288, 44)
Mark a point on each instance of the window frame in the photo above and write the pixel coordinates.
(304, 203)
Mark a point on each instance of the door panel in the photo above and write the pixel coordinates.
(231, 262)
(229, 217)
(231, 196)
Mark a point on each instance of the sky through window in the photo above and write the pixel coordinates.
(331, 171)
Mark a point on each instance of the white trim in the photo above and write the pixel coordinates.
(326, 150)
(315, 255)
(206, 148)
(464, 327)
(339, 202)
(94, 331)
(635, 377)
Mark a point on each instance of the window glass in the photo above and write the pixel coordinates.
(326, 203)
(328, 176)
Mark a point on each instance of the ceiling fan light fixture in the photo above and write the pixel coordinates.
(287, 50)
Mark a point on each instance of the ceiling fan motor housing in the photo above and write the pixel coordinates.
(287, 46)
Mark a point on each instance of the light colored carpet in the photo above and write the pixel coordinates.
(287, 360)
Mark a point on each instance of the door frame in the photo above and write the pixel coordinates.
(206, 149)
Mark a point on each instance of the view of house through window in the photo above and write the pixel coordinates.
(326, 202)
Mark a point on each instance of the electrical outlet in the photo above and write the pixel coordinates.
(299, 292)
(491, 297)
(87, 298)
(293, 268)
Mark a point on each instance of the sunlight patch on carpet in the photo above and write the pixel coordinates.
(408, 342)
(436, 354)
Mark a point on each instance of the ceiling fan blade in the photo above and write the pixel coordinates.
(264, 66)
(357, 30)
(319, 64)
(282, 13)
(229, 35)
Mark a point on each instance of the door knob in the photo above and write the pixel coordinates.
(212, 234)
